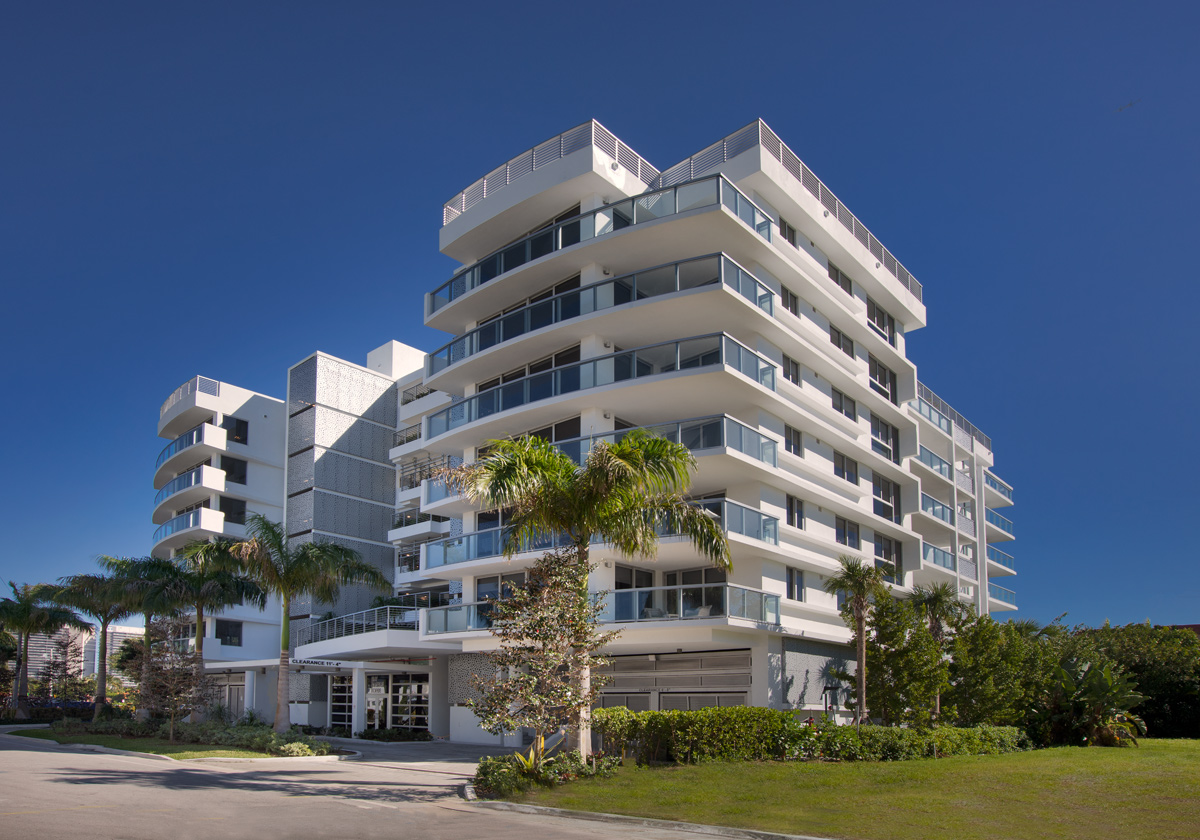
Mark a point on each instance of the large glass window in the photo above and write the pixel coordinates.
(235, 469)
(841, 340)
(885, 439)
(793, 440)
(887, 550)
(236, 431)
(787, 233)
(883, 379)
(795, 584)
(847, 533)
(627, 577)
(845, 405)
(844, 467)
(234, 510)
(887, 498)
(790, 302)
(879, 320)
(229, 632)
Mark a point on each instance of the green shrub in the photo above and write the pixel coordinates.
(502, 777)
(394, 734)
(743, 733)
(258, 737)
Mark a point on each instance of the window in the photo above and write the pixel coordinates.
(845, 405)
(844, 467)
(565, 430)
(795, 584)
(841, 340)
(790, 302)
(793, 441)
(887, 550)
(236, 431)
(795, 512)
(190, 508)
(885, 439)
(229, 632)
(836, 275)
(235, 469)
(887, 498)
(847, 533)
(694, 577)
(787, 232)
(791, 370)
(880, 321)
(495, 587)
(883, 379)
(234, 510)
(627, 577)
(569, 356)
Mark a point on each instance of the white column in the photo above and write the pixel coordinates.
(358, 698)
(251, 700)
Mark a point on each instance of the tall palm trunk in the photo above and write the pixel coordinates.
(21, 695)
(584, 730)
(861, 621)
(143, 712)
(102, 671)
(283, 716)
(198, 651)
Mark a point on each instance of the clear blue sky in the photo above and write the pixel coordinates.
(223, 188)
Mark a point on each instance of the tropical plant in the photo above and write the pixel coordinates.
(317, 569)
(177, 685)
(623, 494)
(210, 579)
(30, 610)
(1090, 703)
(905, 666)
(942, 609)
(547, 638)
(987, 672)
(106, 598)
(860, 585)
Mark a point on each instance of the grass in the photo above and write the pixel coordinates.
(1152, 791)
(158, 746)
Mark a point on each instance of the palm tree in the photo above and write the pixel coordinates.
(942, 608)
(861, 585)
(620, 495)
(318, 569)
(107, 599)
(32, 610)
(210, 578)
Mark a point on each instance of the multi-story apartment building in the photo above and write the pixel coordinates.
(731, 303)
(117, 635)
(224, 461)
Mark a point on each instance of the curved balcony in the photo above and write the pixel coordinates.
(199, 524)
(489, 543)
(196, 444)
(705, 192)
(192, 402)
(187, 489)
(689, 354)
(659, 281)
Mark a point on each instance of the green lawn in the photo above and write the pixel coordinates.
(1150, 792)
(158, 746)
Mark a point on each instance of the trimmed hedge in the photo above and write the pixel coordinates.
(253, 736)
(748, 733)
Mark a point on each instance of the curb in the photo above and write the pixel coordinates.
(642, 822)
(467, 792)
(96, 748)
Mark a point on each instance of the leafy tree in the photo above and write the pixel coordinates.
(31, 610)
(1090, 704)
(905, 666)
(940, 605)
(622, 494)
(177, 687)
(62, 675)
(986, 672)
(862, 586)
(317, 569)
(547, 639)
(107, 598)
(1165, 664)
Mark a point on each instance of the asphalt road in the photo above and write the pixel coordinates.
(49, 792)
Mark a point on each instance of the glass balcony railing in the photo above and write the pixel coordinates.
(1004, 596)
(998, 556)
(367, 621)
(933, 415)
(663, 603)
(697, 435)
(438, 490)
(689, 353)
(997, 485)
(938, 557)
(937, 509)
(653, 282)
(191, 519)
(415, 517)
(189, 438)
(705, 192)
(938, 465)
(666, 603)
(189, 479)
(479, 545)
(999, 521)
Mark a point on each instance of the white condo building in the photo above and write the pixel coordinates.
(731, 303)
(224, 460)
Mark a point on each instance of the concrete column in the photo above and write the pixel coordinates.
(358, 696)
(251, 699)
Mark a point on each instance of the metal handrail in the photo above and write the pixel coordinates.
(1001, 522)
(758, 133)
(936, 509)
(999, 593)
(696, 433)
(716, 190)
(924, 392)
(997, 485)
(353, 624)
(415, 393)
(997, 556)
(593, 298)
(589, 133)
(197, 384)
(407, 435)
